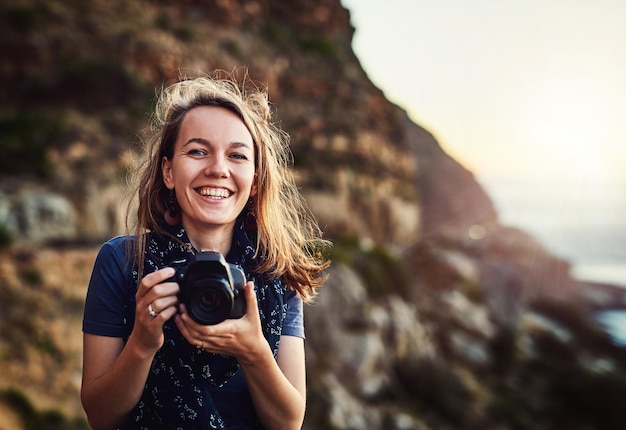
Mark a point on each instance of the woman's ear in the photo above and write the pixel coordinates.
(168, 177)
(254, 187)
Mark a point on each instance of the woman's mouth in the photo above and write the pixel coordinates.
(215, 193)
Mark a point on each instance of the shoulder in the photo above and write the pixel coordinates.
(115, 262)
(293, 324)
(118, 242)
(111, 289)
(117, 249)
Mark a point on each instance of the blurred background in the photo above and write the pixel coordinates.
(529, 96)
(465, 160)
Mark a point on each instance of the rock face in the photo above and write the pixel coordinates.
(353, 150)
(39, 217)
(354, 347)
(428, 295)
(451, 199)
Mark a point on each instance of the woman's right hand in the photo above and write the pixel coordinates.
(156, 302)
(114, 372)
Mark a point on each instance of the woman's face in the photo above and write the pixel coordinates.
(212, 169)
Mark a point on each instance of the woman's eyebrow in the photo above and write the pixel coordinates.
(240, 145)
(196, 140)
(206, 142)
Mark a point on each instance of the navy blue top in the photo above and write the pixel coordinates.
(110, 311)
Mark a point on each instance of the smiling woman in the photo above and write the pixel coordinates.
(217, 177)
(212, 173)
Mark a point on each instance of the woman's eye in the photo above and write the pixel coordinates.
(196, 152)
(239, 156)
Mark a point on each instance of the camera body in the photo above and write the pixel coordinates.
(211, 288)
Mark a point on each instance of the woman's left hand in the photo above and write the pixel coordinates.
(276, 384)
(241, 338)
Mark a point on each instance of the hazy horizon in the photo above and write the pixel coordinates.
(529, 96)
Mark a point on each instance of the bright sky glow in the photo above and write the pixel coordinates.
(530, 95)
(510, 88)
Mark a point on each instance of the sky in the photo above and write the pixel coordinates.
(521, 90)
(530, 95)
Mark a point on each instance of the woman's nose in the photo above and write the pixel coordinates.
(217, 166)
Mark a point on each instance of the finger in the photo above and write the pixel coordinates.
(166, 313)
(252, 308)
(158, 310)
(163, 303)
(189, 329)
(154, 278)
(196, 330)
(168, 290)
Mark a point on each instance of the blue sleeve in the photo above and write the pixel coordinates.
(110, 292)
(293, 325)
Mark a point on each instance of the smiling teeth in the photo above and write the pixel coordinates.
(215, 192)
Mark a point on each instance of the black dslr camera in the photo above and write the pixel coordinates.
(210, 288)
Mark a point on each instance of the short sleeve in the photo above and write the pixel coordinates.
(293, 325)
(109, 294)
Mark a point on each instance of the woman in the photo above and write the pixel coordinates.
(215, 178)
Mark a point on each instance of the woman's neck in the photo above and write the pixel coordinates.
(210, 238)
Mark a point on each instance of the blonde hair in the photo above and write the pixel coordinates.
(289, 239)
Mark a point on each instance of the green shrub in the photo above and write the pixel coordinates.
(320, 45)
(314, 43)
(381, 271)
(503, 349)
(47, 346)
(22, 18)
(93, 86)
(345, 249)
(502, 410)
(35, 420)
(183, 33)
(31, 276)
(276, 32)
(25, 139)
(6, 237)
(164, 22)
(435, 388)
(233, 48)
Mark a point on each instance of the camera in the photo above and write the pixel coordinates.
(211, 288)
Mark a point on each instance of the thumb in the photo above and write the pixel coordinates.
(252, 308)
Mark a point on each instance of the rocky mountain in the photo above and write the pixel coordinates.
(435, 315)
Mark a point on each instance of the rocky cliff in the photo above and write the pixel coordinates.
(84, 77)
(435, 315)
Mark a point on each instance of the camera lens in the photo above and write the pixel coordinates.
(210, 300)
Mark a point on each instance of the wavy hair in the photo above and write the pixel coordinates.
(289, 239)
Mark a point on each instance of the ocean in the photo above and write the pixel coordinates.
(581, 222)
